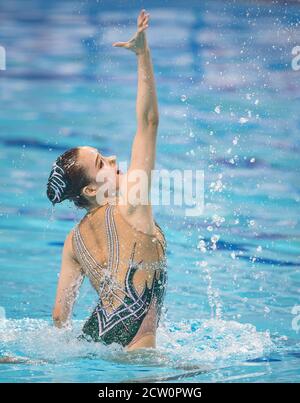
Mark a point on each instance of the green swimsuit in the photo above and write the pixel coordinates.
(121, 325)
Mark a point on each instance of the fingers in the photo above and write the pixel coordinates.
(143, 19)
(146, 21)
(143, 12)
(146, 18)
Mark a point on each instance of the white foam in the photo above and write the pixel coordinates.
(181, 344)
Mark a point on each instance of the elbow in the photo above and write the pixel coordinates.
(153, 120)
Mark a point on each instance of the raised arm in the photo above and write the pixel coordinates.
(146, 101)
(144, 144)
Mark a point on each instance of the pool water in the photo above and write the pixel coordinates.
(229, 105)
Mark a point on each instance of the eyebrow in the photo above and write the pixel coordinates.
(97, 159)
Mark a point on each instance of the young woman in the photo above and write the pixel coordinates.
(117, 245)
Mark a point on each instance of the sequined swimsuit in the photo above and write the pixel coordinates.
(128, 270)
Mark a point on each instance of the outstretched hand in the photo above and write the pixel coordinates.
(137, 44)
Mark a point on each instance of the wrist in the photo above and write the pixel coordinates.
(144, 51)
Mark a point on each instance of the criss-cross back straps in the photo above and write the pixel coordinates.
(82, 252)
(112, 240)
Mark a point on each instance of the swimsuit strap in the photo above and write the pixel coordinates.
(112, 240)
(89, 263)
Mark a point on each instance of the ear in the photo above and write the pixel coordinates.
(90, 191)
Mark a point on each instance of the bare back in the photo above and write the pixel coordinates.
(127, 268)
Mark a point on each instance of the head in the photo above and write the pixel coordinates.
(78, 174)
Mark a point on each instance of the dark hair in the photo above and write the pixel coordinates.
(67, 178)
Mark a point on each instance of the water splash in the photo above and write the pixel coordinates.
(213, 296)
(186, 344)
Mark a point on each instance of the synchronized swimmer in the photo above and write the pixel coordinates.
(118, 245)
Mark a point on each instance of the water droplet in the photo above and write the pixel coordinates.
(202, 246)
(183, 98)
(218, 109)
(235, 140)
(215, 238)
(243, 120)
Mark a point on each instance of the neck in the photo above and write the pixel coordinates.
(94, 205)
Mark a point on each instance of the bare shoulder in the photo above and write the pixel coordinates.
(69, 238)
(68, 250)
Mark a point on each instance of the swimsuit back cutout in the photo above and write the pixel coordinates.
(127, 268)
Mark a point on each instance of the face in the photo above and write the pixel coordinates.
(98, 166)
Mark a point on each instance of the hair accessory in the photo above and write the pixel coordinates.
(57, 183)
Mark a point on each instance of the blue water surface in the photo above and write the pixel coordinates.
(229, 105)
